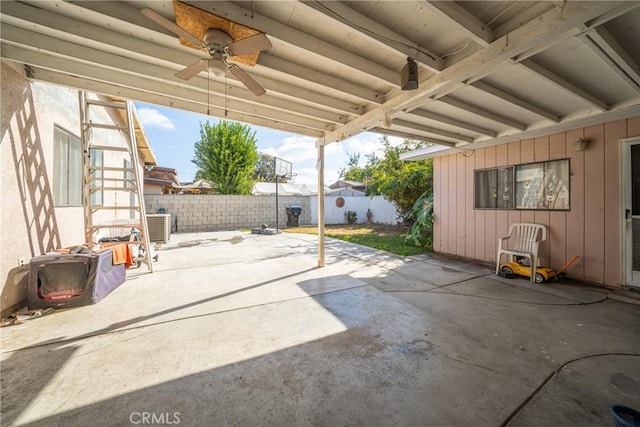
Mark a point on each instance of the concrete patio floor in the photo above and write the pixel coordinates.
(243, 330)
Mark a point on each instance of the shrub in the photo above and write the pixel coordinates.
(351, 217)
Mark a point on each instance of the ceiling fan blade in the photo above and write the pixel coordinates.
(254, 43)
(192, 70)
(159, 19)
(246, 79)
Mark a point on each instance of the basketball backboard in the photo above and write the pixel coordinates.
(282, 167)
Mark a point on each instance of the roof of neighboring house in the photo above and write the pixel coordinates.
(160, 182)
(200, 183)
(158, 175)
(344, 191)
(198, 186)
(347, 184)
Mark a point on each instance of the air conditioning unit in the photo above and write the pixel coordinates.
(159, 227)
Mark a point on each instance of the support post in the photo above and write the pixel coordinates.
(275, 173)
(320, 166)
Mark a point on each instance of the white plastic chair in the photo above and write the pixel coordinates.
(525, 243)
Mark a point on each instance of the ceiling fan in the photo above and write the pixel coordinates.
(221, 47)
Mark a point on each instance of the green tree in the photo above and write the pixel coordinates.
(263, 171)
(354, 172)
(226, 155)
(399, 181)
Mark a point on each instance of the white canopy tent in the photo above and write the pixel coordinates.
(284, 189)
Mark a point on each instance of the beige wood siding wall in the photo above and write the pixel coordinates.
(591, 229)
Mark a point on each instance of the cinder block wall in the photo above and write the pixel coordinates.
(219, 212)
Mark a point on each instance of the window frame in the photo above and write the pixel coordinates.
(97, 197)
(507, 193)
(555, 175)
(67, 168)
(555, 180)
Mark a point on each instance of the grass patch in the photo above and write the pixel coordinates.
(388, 238)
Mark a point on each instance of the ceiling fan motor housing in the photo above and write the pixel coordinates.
(216, 40)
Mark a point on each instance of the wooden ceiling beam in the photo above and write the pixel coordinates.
(413, 137)
(514, 100)
(308, 42)
(481, 112)
(46, 42)
(53, 26)
(452, 122)
(462, 20)
(112, 89)
(431, 130)
(618, 55)
(386, 39)
(66, 65)
(563, 84)
(550, 26)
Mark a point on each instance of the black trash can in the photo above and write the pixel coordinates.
(293, 216)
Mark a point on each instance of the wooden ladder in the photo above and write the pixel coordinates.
(126, 179)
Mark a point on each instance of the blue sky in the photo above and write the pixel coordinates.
(172, 134)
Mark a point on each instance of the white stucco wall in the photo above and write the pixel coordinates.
(383, 211)
(29, 222)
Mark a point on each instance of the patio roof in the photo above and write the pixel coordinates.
(489, 71)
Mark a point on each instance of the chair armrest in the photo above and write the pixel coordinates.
(501, 240)
(544, 235)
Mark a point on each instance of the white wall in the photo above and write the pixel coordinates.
(383, 211)
(213, 212)
(30, 224)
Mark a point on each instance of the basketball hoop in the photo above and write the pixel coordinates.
(281, 168)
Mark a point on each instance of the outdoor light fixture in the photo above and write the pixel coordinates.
(580, 144)
(409, 75)
(148, 166)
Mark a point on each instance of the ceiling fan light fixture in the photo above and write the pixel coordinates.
(220, 46)
(218, 68)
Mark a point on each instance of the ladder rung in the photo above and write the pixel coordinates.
(103, 178)
(118, 208)
(99, 226)
(109, 148)
(121, 105)
(130, 189)
(103, 126)
(112, 169)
